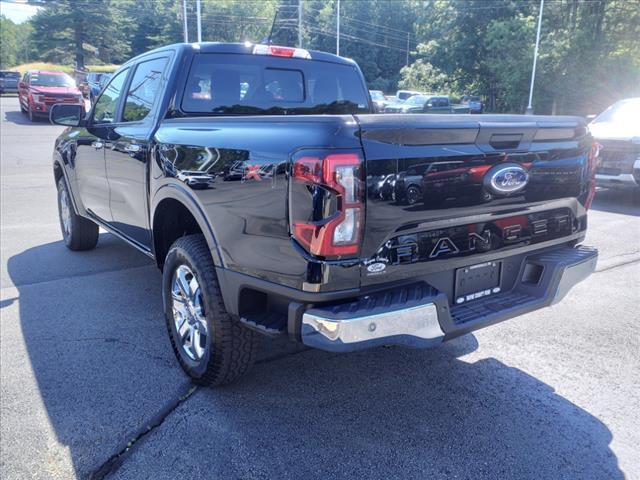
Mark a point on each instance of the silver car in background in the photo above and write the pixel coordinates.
(617, 130)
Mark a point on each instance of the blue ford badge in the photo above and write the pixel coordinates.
(506, 179)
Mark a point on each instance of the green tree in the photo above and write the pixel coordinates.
(79, 30)
(423, 76)
(14, 43)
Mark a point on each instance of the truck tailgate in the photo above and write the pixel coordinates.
(443, 188)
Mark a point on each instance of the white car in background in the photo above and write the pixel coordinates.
(617, 130)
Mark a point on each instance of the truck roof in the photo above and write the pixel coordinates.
(245, 48)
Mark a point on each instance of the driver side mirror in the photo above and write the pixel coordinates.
(67, 115)
(429, 105)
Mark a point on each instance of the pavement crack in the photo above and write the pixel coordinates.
(617, 265)
(115, 461)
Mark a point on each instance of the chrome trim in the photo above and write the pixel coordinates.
(574, 274)
(416, 326)
(623, 178)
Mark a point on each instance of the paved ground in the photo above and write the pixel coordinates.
(86, 369)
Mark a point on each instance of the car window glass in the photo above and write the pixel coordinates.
(143, 90)
(284, 85)
(52, 80)
(105, 109)
(222, 84)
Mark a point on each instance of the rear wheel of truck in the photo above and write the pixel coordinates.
(211, 346)
(79, 233)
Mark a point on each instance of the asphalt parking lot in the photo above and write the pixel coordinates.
(90, 388)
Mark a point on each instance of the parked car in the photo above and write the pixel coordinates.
(474, 103)
(402, 95)
(376, 184)
(378, 99)
(426, 104)
(95, 82)
(617, 130)
(408, 184)
(9, 81)
(299, 249)
(39, 90)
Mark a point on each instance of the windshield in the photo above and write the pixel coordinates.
(417, 100)
(9, 75)
(377, 95)
(52, 80)
(405, 95)
(621, 112)
(225, 84)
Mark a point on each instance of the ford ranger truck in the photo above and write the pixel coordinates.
(246, 173)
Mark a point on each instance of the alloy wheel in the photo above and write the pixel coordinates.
(189, 314)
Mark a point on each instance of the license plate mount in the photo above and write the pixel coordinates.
(477, 281)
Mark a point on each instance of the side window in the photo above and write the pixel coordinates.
(143, 90)
(105, 109)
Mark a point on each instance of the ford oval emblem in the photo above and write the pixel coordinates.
(506, 179)
(376, 267)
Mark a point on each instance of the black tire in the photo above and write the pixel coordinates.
(230, 347)
(413, 195)
(82, 233)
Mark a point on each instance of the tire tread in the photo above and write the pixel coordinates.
(234, 345)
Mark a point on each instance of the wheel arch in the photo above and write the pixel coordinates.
(175, 213)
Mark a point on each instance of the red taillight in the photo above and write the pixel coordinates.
(592, 166)
(327, 213)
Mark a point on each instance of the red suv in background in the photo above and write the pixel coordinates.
(39, 90)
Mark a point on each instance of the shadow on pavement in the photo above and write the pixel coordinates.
(99, 352)
(19, 118)
(625, 200)
(385, 413)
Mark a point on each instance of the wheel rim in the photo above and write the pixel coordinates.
(412, 196)
(65, 213)
(188, 313)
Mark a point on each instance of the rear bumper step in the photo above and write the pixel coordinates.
(419, 316)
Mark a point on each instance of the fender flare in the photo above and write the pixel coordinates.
(177, 192)
(58, 162)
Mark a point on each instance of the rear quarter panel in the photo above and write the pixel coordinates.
(234, 170)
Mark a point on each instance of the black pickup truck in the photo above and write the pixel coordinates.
(243, 171)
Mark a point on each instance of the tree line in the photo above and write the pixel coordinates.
(589, 51)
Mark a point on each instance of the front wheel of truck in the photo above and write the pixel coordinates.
(211, 347)
(79, 233)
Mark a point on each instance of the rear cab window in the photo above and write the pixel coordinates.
(236, 84)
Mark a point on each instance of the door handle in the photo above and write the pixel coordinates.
(97, 145)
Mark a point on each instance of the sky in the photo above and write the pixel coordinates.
(17, 12)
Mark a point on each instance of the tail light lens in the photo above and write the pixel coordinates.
(592, 165)
(277, 51)
(326, 202)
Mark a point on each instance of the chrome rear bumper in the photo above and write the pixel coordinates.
(420, 316)
(415, 326)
